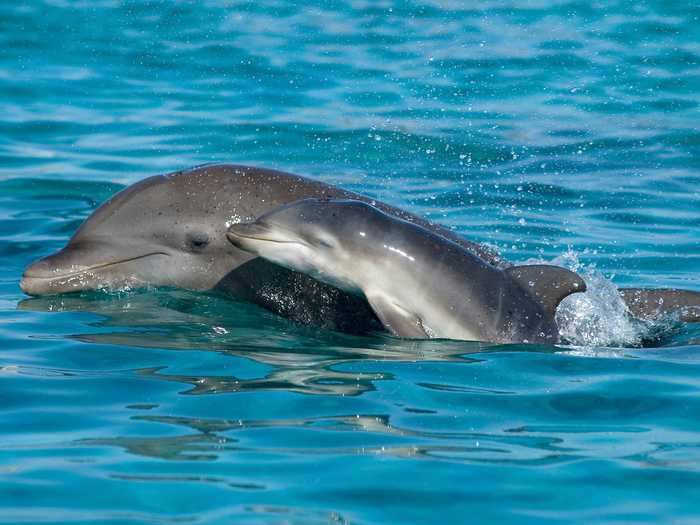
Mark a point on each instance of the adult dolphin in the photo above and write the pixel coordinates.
(169, 230)
(418, 283)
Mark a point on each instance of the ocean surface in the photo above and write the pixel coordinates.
(563, 131)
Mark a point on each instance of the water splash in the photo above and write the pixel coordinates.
(599, 317)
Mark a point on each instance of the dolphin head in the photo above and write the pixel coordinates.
(152, 233)
(319, 237)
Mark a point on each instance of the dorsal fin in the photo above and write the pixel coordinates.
(549, 284)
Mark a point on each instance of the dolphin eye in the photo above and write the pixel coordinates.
(198, 240)
(325, 243)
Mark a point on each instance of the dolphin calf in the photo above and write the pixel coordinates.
(169, 230)
(419, 284)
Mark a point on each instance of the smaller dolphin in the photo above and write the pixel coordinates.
(420, 284)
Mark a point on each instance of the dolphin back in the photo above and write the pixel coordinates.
(652, 304)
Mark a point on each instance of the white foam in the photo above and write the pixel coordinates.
(599, 317)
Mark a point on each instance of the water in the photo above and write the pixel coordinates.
(562, 131)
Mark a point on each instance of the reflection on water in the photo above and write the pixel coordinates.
(213, 438)
(298, 359)
(307, 380)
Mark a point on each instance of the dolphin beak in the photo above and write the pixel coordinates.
(237, 234)
(32, 277)
(73, 269)
(40, 277)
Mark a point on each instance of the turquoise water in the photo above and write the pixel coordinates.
(563, 131)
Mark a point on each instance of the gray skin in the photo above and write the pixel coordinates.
(169, 230)
(419, 284)
(652, 304)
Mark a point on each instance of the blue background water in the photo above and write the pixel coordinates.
(544, 128)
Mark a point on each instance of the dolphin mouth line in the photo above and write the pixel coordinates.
(91, 268)
(234, 236)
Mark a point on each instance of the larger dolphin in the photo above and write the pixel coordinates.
(169, 230)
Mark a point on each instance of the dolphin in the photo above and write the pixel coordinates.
(169, 230)
(420, 284)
